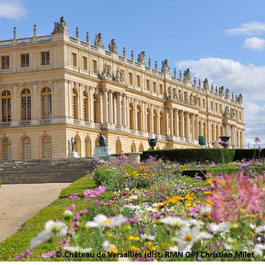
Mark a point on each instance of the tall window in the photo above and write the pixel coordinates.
(46, 103)
(155, 122)
(46, 147)
(96, 108)
(6, 106)
(161, 89)
(26, 105)
(118, 146)
(26, 148)
(130, 78)
(139, 120)
(74, 59)
(6, 149)
(78, 145)
(148, 120)
(154, 87)
(75, 104)
(5, 62)
(85, 62)
(45, 58)
(85, 105)
(95, 67)
(88, 147)
(148, 85)
(138, 81)
(131, 116)
(24, 60)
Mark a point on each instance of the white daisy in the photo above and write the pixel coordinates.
(101, 220)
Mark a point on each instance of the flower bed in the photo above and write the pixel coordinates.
(149, 211)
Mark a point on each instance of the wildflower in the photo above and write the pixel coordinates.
(260, 229)
(101, 220)
(109, 247)
(25, 254)
(71, 208)
(48, 254)
(73, 196)
(52, 229)
(258, 250)
(134, 238)
(172, 221)
(96, 192)
(205, 210)
(260, 148)
(257, 139)
(68, 214)
(219, 228)
(148, 237)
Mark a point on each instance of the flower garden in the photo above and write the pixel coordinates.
(150, 211)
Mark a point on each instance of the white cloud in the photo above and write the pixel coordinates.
(254, 43)
(250, 28)
(240, 78)
(12, 9)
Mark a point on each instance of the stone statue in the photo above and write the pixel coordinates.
(87, 37)
(156, 65)
(132, 55)
(119, 76)
(232, 113)
(196, 100)
(191, 98)
(102, 140)
(200, 83)
(226, 112)
(180, 96)
(180, 75)
(106, 72)
(227, 93)
(165, 68)
(140, 58)
(113, 46)
(175, 93)
(186, 97)
(77, 33)
(233, 96)
(123, 51)
(149, 62)
(98, 41)
(61, 27)
(221, 90)
(187, 75)
(169, 93)
(240, 98)
(205, 84)
(73, 142)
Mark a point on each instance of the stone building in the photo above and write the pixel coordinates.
(56, 87)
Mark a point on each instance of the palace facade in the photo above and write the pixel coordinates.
(56, 87)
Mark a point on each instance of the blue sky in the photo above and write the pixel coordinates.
(222, 40)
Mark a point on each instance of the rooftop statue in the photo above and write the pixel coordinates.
(113, 46)
(98, 41)
(187, 75)
(119, 76)
(227, 93)
(205, 84)
(106, 72)
(61, 27)
(240, 98)
(165, 68)
(140, 58)
(221, 90)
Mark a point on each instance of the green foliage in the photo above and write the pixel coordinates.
(248, 154)
(188, 155)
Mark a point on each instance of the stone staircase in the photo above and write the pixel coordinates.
(45, 170)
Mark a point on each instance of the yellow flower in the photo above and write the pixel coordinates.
(209, 201)
(134, 248)
(133, 238)
(162, 205)
(251, 215)
(211, 181)
(207, 192)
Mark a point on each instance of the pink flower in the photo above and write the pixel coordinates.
(83, 211)
(75, 224)
(96, 192)
(71, 208)
(48, 254)
(73, 196)
(24, 255)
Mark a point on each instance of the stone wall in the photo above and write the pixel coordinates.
(45, 170)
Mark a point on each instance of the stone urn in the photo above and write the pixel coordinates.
(152, 143)
(135, 157)
(226, 140)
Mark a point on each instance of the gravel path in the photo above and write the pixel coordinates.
(19, 203)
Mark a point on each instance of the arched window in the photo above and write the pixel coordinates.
(139, 118)
(75, 103)
(85, 105)
(46, 103)
(131, 116)
(6, 106)
(26, 105)
(96, 108)
(26, 148)
(161, 123)
(6, 149)
(78, 145)
(148, 120)
(118, 146)
(46, 147)
(88, 147)
(155, 122)
(133, 147)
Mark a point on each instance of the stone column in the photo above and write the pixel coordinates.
(192, 128)
(171, 122)
(35, 104)
(182, 124)
(91, 107)
(197, 127)
(152, 119)
(119, 110)
(187, 125)
(110, 107)
(124, 111)
(158, 121)
(81, 103)
(15, 106)
(176, 122)
(105, 106)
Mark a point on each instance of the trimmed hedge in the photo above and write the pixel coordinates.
(190, 155)
(248, 154)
